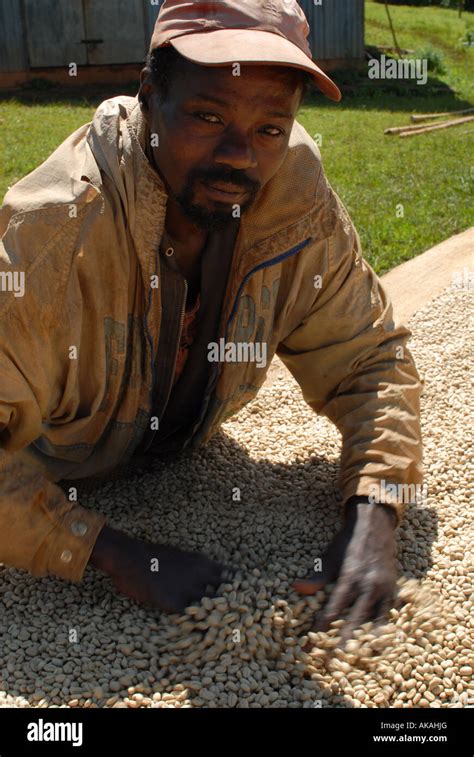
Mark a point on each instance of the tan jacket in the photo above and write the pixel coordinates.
(77, 347)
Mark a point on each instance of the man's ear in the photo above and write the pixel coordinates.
(145, 91)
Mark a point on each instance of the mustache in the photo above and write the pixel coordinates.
(229, 177)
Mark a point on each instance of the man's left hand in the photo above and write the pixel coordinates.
(361, 559)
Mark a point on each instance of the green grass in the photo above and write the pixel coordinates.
(431, 175)
(429, 26)
(35, 121)
(28, 135)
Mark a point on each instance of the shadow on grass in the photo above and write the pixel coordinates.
(44, 92)
(357, 89)
(360, 92)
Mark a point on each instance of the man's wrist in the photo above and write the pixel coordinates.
(105, 549)
(352, 503)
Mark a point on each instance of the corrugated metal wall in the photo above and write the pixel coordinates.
(42, 33)
(55, 29)
(337, 28)
(13, 45)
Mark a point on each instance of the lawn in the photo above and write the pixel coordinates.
(431, 176)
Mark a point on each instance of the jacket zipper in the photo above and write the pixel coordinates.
(267, 264)
(179, 342)
(150, 342)
(150, 440)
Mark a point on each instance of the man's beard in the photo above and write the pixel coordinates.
(211, 220)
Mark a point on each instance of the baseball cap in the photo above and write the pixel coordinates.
(267, 32)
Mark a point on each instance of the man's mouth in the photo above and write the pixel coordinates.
(226, 192)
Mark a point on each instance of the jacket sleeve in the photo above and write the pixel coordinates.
(353, 366)
(41, 531)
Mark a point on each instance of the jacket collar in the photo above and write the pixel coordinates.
(150, 195)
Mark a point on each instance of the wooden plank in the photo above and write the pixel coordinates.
(55, 29)
(13, 55)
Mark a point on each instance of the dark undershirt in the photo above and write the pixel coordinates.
(186, 398)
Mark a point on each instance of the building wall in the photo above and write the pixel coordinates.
(39, 34)
(336, 28)
(13, 55)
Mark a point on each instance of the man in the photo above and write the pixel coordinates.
(197, 214)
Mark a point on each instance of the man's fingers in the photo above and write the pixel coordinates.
(382, 609)
(228, 573)
(341, 598)
(360, 613)
(367, 608)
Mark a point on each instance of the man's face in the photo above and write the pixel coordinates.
(221, 137)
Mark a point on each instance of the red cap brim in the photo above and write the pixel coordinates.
(223, 46)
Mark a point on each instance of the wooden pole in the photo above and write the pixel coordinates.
(445, 125)
(399, 129)
(427, 116)
(397, 46)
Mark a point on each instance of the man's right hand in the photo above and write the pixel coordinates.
(181, 579)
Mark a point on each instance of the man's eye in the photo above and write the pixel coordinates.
(276, 132)
(207, 117)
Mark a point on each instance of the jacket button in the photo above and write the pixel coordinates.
(66, 555)
(78, 528)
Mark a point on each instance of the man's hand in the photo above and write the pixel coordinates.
(361, 557)
(181, 578)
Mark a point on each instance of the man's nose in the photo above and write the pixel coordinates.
(236, 150)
